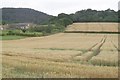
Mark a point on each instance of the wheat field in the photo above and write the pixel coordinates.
(95, 27)
(62, 55)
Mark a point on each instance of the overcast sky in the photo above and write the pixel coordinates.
(54, 7)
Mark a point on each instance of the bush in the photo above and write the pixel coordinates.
(3, 34)
(11, 33)
(47, 29)
(30, 34)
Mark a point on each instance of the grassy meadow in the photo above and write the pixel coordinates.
(11, 37)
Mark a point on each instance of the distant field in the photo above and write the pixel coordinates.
(93, 27)
(63, 55)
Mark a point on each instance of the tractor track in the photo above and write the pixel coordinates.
(115, 46)
(93, 51)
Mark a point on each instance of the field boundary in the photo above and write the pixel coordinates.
(103, 32)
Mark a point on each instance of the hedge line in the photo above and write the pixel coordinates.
(29, 34)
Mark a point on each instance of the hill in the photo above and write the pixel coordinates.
(24, 15)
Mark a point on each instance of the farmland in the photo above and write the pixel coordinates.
(62, 55)
(94, 27)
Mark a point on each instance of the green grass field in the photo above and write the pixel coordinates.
(11, 37)
(17, 34)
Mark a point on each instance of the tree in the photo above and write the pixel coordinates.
(65, 21)
(24, 29)
(3, 22)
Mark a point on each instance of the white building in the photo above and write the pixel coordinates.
(1, 28)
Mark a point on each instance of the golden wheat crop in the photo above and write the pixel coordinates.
(98, 27)
(61, 55)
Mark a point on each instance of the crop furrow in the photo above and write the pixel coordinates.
(93, 52)
(115, 46)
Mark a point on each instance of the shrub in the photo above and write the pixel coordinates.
(47, 29)
(11, 33)
(30, 34)
(3, 34)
